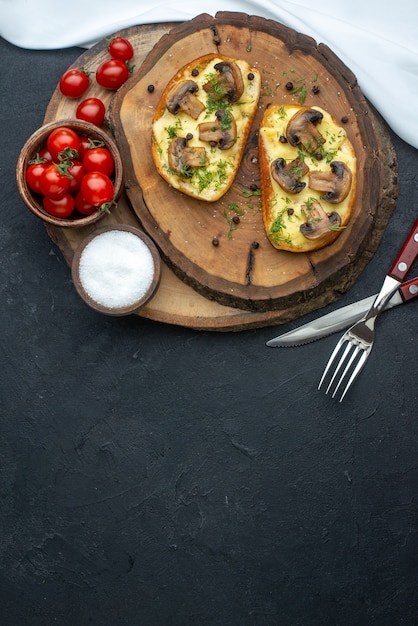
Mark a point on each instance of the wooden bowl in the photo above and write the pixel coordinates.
(36, 142)
(116, 269)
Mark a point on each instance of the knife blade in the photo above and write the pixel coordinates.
(340, 319)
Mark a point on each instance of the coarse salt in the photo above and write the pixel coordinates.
(116, 269)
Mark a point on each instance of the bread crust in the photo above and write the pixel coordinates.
(287, 211)
(211, 178)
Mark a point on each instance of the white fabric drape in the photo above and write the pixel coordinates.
(377, 39)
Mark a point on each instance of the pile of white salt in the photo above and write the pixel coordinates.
(116, 269)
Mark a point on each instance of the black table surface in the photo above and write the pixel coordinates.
(157, 475)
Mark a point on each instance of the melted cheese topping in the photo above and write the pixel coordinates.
(213, 180)
(283, 226)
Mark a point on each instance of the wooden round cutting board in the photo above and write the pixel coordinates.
(236, 285)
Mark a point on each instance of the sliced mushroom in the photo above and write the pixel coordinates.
(301, 130)
(182, 97)
(335, 184)
(183, 159)
(228, 83)
(288, 175)
(221, 132)
(319, 224)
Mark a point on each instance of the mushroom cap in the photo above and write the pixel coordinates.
(335, 184)
(229, 82)
(288, 175)
(175, 154)
(301, 129)
(182, 158)
(182, 96)
(319, 224)
(221, 132)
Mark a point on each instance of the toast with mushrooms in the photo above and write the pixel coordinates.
(201, 125)
(308, 177)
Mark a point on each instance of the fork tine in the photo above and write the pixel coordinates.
(331, 359)
(357, 349)
(340, 364)
(356, 372)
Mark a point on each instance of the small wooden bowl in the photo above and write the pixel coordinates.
(112, 259)
(36, 142)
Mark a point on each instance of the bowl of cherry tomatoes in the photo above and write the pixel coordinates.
(69, 173)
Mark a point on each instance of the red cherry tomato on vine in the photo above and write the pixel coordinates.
(61, 138)
(91, 110)
(76, 171)
(82, 206)
(34, 173)
(53, 183)
(99, 160)
(97, 188)
(111, 74)
(59, 207)
(45, 154)
(120, 48)
(74, 83)
(85, 144)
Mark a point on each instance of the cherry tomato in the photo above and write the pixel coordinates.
(74, 83)
(76, 171)
(111, 74)
(85, 144)
(61, 138)
(34, 171)
(53, 183)
(120, 48)
(59, 207)
(97, 188)
(45, 154)
(99, 160)
(82, 206)
(91, 110)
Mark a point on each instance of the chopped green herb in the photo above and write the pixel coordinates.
(300, 91)
(247, 193)
(204, 177)
(233, 206)
(231, 224)
(186, 171)
(281, 113)
(173, 130)
(277, 229)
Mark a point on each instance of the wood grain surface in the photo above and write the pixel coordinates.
(211, 288)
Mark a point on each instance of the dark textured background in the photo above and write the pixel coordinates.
(156, 475)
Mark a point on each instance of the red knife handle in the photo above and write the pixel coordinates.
(406, 256)
(409, 290)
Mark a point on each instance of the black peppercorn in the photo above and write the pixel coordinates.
(315, 89)
(255, 245)
(215, 242)
(290, 211)
(235, 219)
(150, 88)
(250, 76)
(319, 156)
(195, 71)
(189, 136)
(344, 119)
(282, 139)
(289, 86)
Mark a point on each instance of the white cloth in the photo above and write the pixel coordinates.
(376, 39)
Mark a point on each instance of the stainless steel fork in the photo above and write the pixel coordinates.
(357, 342)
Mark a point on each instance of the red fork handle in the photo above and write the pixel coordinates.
(406, 256)
(409, 290)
